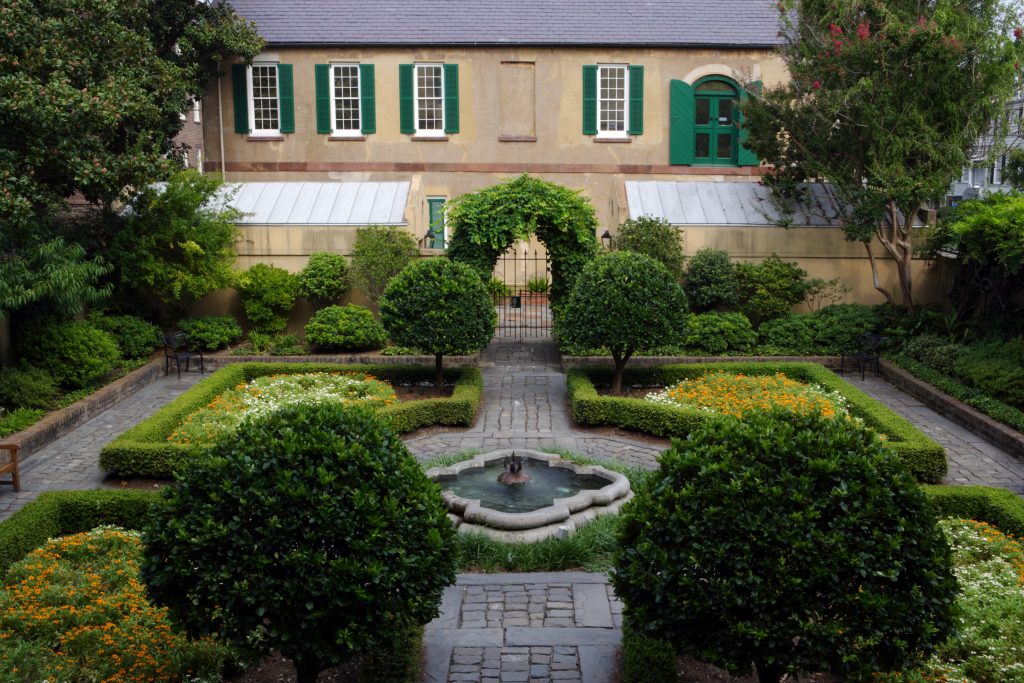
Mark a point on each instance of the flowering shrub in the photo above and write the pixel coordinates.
(265, 395)
(737, 395)
(989, 645)
(75, 610)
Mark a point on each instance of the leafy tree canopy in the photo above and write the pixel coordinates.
(886, 100)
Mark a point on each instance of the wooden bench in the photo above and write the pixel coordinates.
(11, 466)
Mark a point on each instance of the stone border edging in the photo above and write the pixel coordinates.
(60, 422)
(1003, 436)
(648, 361)
(219, 360)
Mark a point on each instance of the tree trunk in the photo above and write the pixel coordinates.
(898, 242)
(620, 366)
(874, 275)
(438, 372)
(307, 672)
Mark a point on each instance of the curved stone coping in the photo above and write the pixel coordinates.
(472, 512)
(555, 530)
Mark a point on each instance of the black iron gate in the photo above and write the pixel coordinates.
(519, 289)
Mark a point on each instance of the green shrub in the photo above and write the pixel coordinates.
(324, 280)
(995, 368)
(624, 302)
(341, 534)
(795, 542)
(769, 289)
(827, 332)
(711, 280)
(134, 336)
(78, 354)
(497, 288)
(345, 328)
(934, 351)
(19, 419)
(718, 333)
(211, 332)
(380, 253)
(654, 237)
(27, 387)
(925, 458)
(999, 507)
(268, 294)
(440, 306)
(647, 660)
(793, 334)
(538, 285)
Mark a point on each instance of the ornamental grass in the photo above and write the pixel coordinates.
(738, 394)
(75, 610)
(264, 395)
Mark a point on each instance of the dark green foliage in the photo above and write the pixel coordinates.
(440, 306)
(397, 661)
(497, 288)
(827, 332)
(624, 302)
(380, 253)
(143, 450)
(327, 540)
(57, 513)
(324, 280)
(711, 280)
(26, 387)
(995, 368)
(934, 351)
(999, 507)
(211, 332)
(134, 336)
(538, 285)
(770, 289)
(345, 328)
(77, 353)
(486, 223)
(647, 660)
(922, 456)
(717, 333)
(19, 419)
(268, 294)
(793, 542)
(54, 274)
(654, 237)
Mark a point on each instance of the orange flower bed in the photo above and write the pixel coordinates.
(736, 395)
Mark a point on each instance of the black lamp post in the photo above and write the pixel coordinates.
(606, 240)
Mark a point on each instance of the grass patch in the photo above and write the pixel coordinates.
(18, 419)
(925, 458)
(144, 450)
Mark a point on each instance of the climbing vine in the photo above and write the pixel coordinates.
(487, 222)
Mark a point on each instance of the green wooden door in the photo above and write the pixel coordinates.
(435, 210)
(716, 133)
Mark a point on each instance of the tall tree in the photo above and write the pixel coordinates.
(886, 100)
(90, 96)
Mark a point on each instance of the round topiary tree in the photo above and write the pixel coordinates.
(654, 237)
(790, 543)
(711, 280)
(324, 280)
(268, 294)
(440, 306)
(311, 531)
(624, 302)
(345, 328)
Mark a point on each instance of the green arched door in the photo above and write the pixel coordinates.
(716, 129)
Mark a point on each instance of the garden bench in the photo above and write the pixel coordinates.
(11, 465)
(176, 350)
(866, 351)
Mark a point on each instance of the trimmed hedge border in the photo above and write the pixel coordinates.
(925, 458)
(223, 358)
(143, 450)
(1001, 508)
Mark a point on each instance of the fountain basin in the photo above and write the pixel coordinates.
(502, 511)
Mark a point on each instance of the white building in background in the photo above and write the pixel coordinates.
(985, 175)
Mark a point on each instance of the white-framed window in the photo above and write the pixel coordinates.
(346, 110)
(197, 110)
(429, 99)
(264, 109)
(612, 100)
(997, 170)
(965, 175)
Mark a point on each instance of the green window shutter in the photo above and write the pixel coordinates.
(636, 100)
(681, 115)
(285, 98)
(435, 206)
(368, 97)
(407, 124)
(745, 156)
(590, 99)
(451, 98)
(322, 80)
(241, 93)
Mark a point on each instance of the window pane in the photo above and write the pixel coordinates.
(724, 146)
(725, 112)
(429, 97)
(264, 97)
(716, 87)
(612, 98)
(703, 148)
(703, 111)
(346, 97)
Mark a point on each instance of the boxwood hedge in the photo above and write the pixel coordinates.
(925, 458)
(144, 449)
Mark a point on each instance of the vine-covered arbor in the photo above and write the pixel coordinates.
(486, 223)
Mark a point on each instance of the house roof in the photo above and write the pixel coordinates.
(690, 23)
(325, 203)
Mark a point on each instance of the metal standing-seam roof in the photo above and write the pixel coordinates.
(355, 203)
(723, 203)
(690, 23)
